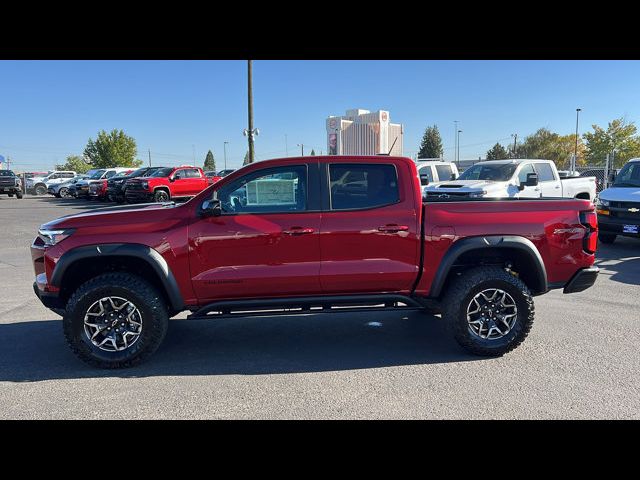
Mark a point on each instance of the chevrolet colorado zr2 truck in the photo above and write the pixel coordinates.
(294, 235)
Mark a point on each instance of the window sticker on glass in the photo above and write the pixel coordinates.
(272, 192)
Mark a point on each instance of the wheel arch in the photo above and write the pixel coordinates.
(487, 250)
(80, 264)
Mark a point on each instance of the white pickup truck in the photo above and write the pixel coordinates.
(517, 178)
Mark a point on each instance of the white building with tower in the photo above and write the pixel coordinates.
(361, 132)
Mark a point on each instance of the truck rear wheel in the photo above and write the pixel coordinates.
(115, 320)
(489, 311)
(607, 238)
(19, 195)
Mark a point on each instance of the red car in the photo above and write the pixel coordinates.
(310, 234)
(166, 184)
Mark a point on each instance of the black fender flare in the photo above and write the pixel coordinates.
(468, 244)
(149, 255)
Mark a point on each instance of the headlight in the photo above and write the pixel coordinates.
(602, 202)
(478, 194)
(53, 237)
(145, 185)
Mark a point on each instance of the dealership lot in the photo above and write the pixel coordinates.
(580, 361)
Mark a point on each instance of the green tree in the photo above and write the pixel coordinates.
(431, 146)
(313, 152)
(75, 163)
(497, 152)
(114, 149)
(246, 160)
(620, 136)
(548, 145)
(209, 162)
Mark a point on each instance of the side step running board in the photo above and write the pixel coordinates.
(288, 306)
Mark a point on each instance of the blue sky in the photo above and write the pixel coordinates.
(49, 109)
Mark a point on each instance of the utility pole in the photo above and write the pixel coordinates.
(515, 139)
(225, 155)
(301, 145)
(455, 142)
(149, 157)
(250, 98)
(575, 155)
(458, 135)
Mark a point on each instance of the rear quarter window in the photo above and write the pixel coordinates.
(444, 172)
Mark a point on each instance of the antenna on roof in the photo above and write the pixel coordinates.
(392, 145)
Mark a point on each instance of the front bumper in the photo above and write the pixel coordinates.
(10, 189)
(138, 196)
(614, 225)
(48, 298)
(82, 191)
(583, 279)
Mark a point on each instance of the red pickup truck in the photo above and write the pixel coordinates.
(310, 234)
(167, 183)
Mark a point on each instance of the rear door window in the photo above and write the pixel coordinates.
(359, 186)
(545, 172)
(524, 171)
(444, 172)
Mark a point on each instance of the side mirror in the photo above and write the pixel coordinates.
(532, 181)
(424, 180)
(453, 176)
(612, 176)
(211, 208)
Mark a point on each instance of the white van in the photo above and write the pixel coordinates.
(435, 171)
(618, 206)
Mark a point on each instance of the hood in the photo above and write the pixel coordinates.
(129, 215)
(467, 186)
(621, 194)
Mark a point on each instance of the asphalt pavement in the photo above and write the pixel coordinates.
(581, 359)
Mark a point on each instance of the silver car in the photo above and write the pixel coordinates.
(61, 190)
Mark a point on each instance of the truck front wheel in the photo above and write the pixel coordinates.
(161, 196)
(115, 320)
(489, 311)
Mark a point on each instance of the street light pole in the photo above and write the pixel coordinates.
(515, 140)
(301, 145)
(575, 154)
(458, 138)
(455, 142)
(250, 112)
(225, 155)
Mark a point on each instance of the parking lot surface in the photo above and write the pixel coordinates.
(581, 359)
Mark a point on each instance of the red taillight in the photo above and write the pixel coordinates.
(590, 220)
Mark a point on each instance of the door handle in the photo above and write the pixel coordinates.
(298, 231)
(557, 187)
(392, 228)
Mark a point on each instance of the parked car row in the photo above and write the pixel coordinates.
(122, 184)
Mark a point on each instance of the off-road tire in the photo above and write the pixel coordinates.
(460, 294)
(607, 238)
(146, 298)
(19, 195)
(40, 190)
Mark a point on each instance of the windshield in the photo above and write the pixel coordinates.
(97, 175)
(6, 173)
(629, 176)
(497, 172)
(163, 172)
